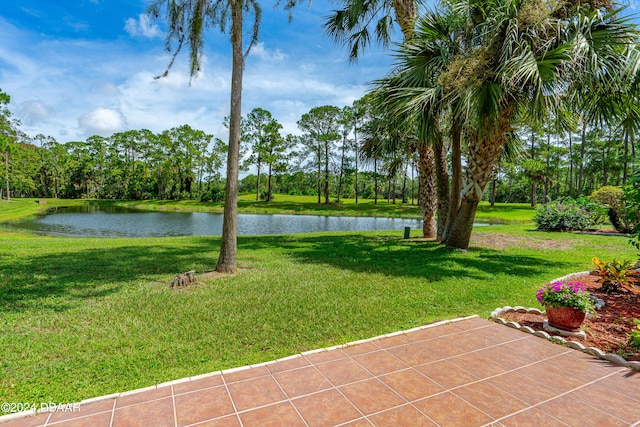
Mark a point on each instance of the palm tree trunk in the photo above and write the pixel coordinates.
(582, 149)
(570, 165)
(442, 187)
(456, 177)
(483, 156)
(227, 261)
(427, 192)
(375, 181)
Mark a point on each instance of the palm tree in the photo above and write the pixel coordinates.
(352, 26)
(186, 22)
(515, 57)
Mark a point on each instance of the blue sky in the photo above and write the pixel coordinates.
(76, 68)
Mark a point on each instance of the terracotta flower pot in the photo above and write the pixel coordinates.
(565, 318)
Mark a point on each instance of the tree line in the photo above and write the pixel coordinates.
(339, 153)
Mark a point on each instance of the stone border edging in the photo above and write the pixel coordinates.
(593, 351)
(25, 414)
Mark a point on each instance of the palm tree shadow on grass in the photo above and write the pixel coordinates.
(64, 279)
(396, 257)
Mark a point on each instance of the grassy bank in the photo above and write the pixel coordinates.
(502, 213)
(85, 317)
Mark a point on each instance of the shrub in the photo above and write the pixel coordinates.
(562, 215)
(614, 275)
(634, 336)
(620, 212)
(631, 201)
(214, 194)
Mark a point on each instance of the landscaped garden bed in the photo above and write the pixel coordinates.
(608, 330)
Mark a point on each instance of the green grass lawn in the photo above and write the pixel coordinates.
(84, 317)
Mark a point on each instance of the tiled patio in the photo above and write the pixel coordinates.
(469, 372)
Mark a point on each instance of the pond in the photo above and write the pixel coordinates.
(101, 221)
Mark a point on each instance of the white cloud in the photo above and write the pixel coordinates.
(33, 112)
(260, 51)
(102, 121)
(143, 27)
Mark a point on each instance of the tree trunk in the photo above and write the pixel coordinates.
(326, 173)
(427, 192)
(581, 169)
(626, 158)
(355, 142)
(484, 152)
(6, 164)
(270, 184)
(318, 180)
(442, 187)
(570, 165)
(404, 184)
(344, 144)
(258, 184)
(375, 181)
(456, 176)
(227, 261)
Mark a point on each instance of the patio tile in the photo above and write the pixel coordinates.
(326, 408)
(229, 421)
(344, 371)
(541, 349)
(393, 341)
(579, 414)
(302, 381)
(447, 409)
(489, 399)
(415, 353)
(447, 374)
(495, 333)
(430, 333)
(589, 369)
(478, 366)
(443, 348)
(465, 342)
(531, 418)
(551, 377)
(85, 410)
(280, 415)
(157, 413)
(371, 396)
(325, 356)
(523, 388)
(143, 396)
(199, 384)
(363, 422)
(97, 420)
(246, 374)
(411, 384)
(203, 405)
(624, 382)
(609, 401)
(507, 355)
(403, 416)
(287, 365)
(380, 362)
(362, 348)
(256, 392)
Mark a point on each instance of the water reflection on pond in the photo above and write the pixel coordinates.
(100, 221)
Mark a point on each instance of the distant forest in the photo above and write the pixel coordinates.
(339, 153)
